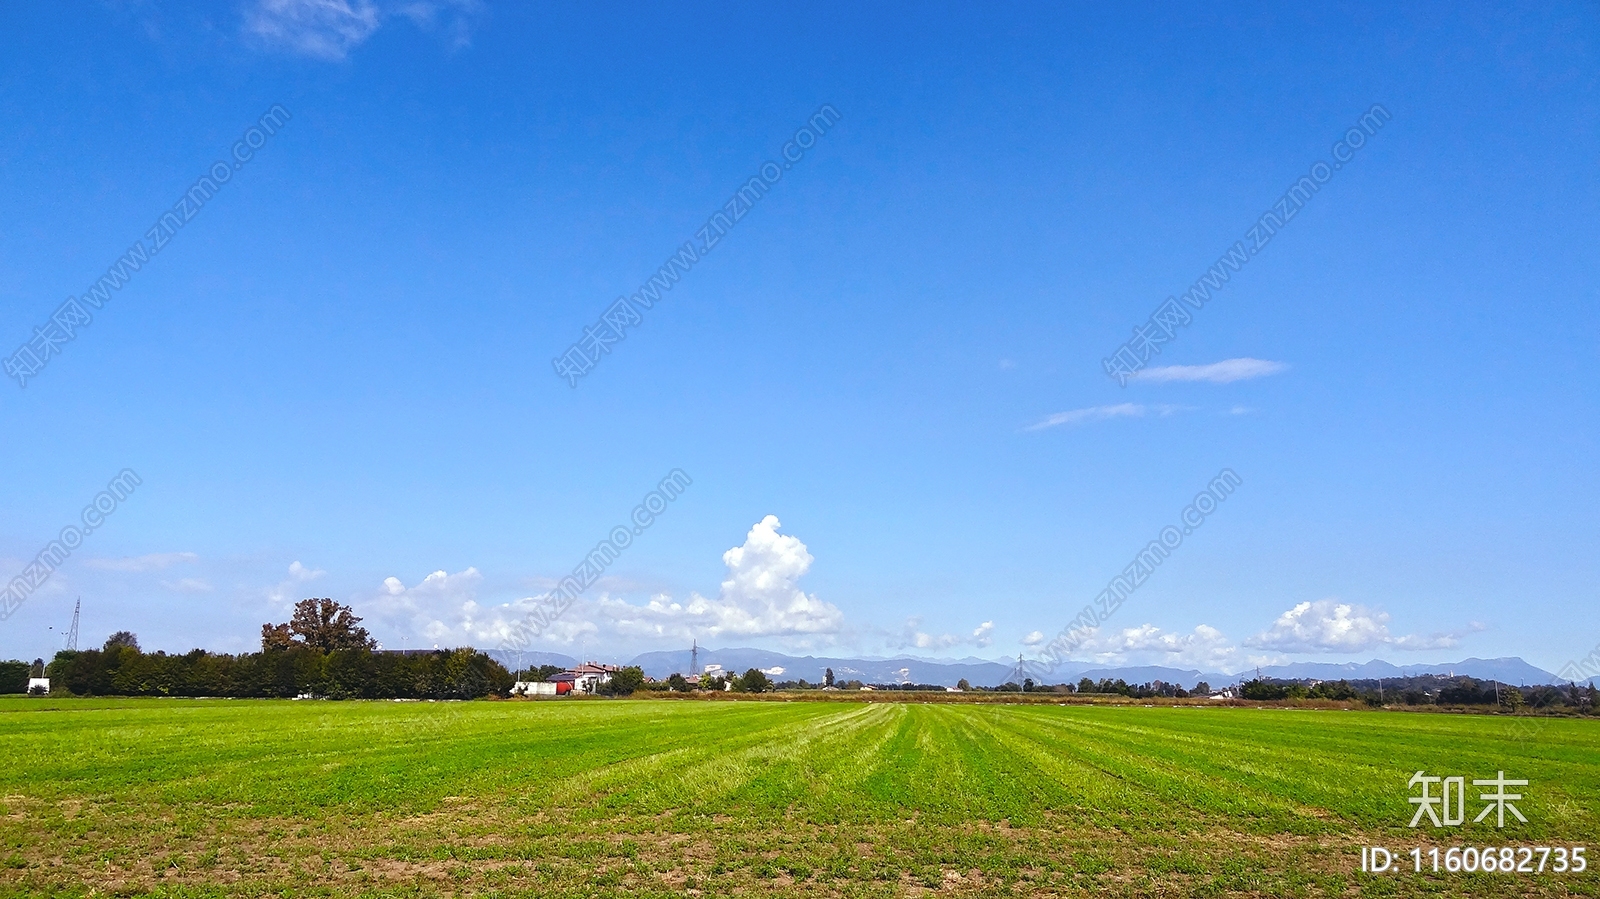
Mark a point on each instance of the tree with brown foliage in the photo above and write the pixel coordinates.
(321, 624)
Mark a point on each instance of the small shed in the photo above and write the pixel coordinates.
(40, 685)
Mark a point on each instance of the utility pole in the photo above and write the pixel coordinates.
(72, 635)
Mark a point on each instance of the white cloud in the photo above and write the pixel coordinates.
(441, 608)
(912, 637)
(151, 562)
(325, 29)
(1034, 638)
(1100, 413)
(289, 589)
(1328, 625)
(1205, 647)
(330, 29)
(760, 597)
(1224, 372)
(983, 634)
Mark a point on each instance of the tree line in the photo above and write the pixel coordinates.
(1433, 689)
(321, 651)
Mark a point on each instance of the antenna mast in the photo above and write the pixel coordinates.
(72, 635)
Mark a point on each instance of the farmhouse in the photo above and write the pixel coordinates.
(588, 676)
(584, 678)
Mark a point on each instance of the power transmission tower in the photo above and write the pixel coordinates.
(72, 635)
(694, 657)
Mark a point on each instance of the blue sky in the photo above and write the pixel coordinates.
(336, 378)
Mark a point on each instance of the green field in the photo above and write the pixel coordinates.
(642, 797)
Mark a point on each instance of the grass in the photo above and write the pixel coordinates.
(650, 798)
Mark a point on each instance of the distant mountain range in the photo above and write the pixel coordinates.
(903, 669)
(986, 673)
(1507, 670)
(517, 660)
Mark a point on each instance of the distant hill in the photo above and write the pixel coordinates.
(984, 673)
(1147, 673)
(512, 660)
(1506, 670)
(903, 669)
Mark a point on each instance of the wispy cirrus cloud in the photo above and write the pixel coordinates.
(1224, 372)
(1101, 413)
(136, 564)
(330, 29)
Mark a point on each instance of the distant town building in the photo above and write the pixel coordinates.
(586, 678)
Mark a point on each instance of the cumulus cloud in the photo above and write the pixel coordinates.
(983, 634)
(1206, 648)
(912, 637)
(1100, 413)
(151, 562)
(1224, 372)
(1034, 638)
(330, 29)
(760, 597)
(1328, 625)
(441, 608)
(289, 589)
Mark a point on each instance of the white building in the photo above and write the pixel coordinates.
(590, 675)
(42, 684)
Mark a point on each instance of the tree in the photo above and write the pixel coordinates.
(718, 683)
(1085, 685)
(1202, 689)
(754, 680)
(626, 680)
(122, 638)
(963, 685)
(14, 677)
(321, 624)
(827, 678)
(545, 672)
(677, 683)
(275, 636)
(1257, 688)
